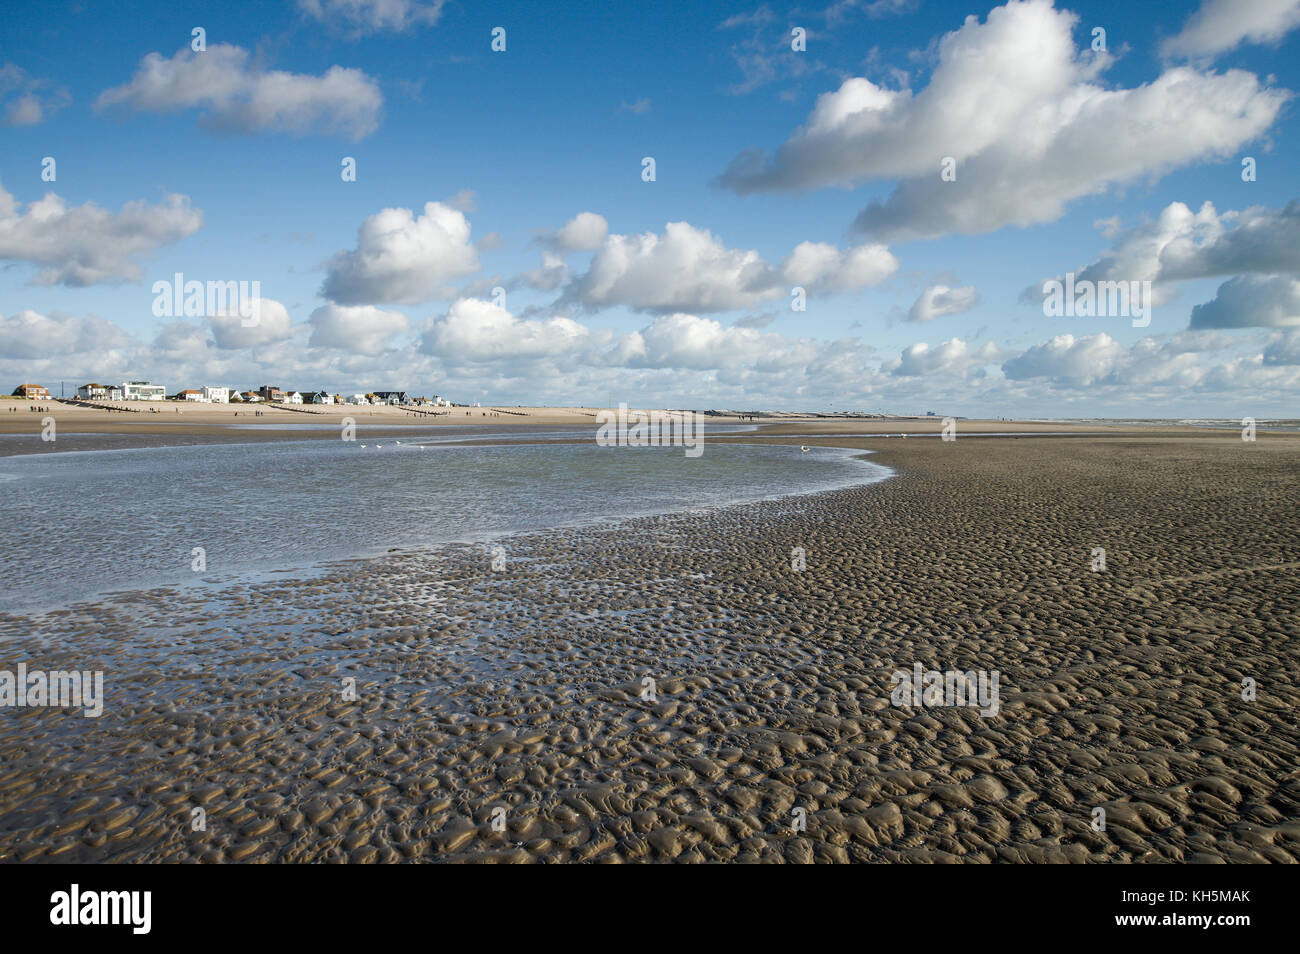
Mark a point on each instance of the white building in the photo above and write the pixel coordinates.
(293, 397)
(216, 395)
(358, 399)
(94, 392)
(322, 397)
(191, 394)
(142, 391)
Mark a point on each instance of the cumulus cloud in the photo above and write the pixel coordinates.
(939, 300)
(1078, 361)
(828, 269)
(1017, 105)
(582, 233)
(1251, 301)
(1181, 245)
(374, 16)
(229, 330)
(236, 95)
(87, 245)
(476, 330)
(1222, 25)
(402, 258)
(688, 269)
(26, 100)
(363, 329)
(1284, 349)
(953, 357)
(29, 334)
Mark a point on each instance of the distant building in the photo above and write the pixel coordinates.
(292, 397)
(392, 397)
(191, 394)
(32, 392)
(216, 395)
(358, 399)
(93, 392)
(252, 397)
(270, 392)
(142, 391)
(235, 395)
(318, 397)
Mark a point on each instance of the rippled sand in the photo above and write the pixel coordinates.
(521, 690)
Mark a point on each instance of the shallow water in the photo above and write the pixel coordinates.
(75, 526)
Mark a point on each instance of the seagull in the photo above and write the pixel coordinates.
(363, 446)
(803, 449)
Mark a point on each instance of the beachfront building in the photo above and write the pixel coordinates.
(142, 391)
(269, 392)
(235, 396)
(292, 397)
(191, 394)
(319, 397)
(392, 397)
(32, 392)
(94, 392)
(216, 395)
(252, 397)
(358, 399)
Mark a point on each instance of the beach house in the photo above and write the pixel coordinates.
(142, 391)
(93, 392)
(292, 397)
(392, 397)
(358, 399)
(270, 392)
(216, 395)
(191, 394)
(252, 397)
(319, 397)
(32, 392)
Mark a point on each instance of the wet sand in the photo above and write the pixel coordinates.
(513, 699)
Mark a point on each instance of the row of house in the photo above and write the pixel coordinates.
(146, 391)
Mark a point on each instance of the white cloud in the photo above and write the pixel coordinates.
(1222, 25)
(1077, 361)
(373, 16)
(88, 245)
(1251, 301)
(476, 330)
(239, 96)
(824, 267)
(1181, 245)
(939, 300)
(403, 259)
(29, 334)
(1284, 349)
(1016, 103)
(582, 233)
(952, 357)
(688, 269)
(362, 329)
(230, 332)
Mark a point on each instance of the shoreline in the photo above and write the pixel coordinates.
(522, 690)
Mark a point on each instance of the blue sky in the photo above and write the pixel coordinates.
(224, 164)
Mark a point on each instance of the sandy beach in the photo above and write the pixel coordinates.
(506, 716)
